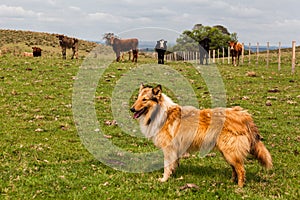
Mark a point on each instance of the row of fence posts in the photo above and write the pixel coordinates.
(195, 56)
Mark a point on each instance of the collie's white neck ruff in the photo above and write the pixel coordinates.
(151, 125)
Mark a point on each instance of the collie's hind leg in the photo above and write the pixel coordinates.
(237, 164)
(234, 174)
(238, 170)
(241, 174)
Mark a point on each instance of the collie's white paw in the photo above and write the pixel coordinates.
(162, 180)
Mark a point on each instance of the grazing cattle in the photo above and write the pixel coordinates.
(71, 43)
(235, 51)
(204, 50)
(36, 51)
(160, 48)
(27, 54)
(121, 45)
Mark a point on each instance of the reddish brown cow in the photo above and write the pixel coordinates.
(36, 51)
(121, 45)
(235, 51)
(66, 42)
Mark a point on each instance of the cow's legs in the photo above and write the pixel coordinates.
(162, 58)
(75, 52)
(64, 52)
(159, 57)
(129, 55)
(134, 55)
(234, 60)
(206, 58)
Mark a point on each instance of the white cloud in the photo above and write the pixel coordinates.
(15, 12)
(288, 23)
(252, 20)
(74, 8)
(52, 2)
(104, 17)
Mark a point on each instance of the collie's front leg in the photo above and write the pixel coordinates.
(171, 162)
(167, 173)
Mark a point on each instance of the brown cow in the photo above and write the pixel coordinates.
(235, 51)
(66, 42)
(121, 45)
(36, 51)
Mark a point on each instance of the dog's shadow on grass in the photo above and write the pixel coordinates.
(211, 172)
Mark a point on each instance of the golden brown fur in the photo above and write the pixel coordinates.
(177, 130)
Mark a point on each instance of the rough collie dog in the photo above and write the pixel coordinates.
(180, 129)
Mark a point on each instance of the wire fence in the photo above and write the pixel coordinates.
(249, 56)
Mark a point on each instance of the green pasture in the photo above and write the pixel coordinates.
(43, 157)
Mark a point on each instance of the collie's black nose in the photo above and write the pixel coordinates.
(132, 110)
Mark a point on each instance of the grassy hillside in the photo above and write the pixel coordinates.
(16, 42)
(43, 157)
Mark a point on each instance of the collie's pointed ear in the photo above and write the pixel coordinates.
(142, 86)
(157, 90)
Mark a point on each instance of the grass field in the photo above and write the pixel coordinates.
(42, 155)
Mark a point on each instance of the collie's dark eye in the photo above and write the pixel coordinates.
(144, 99)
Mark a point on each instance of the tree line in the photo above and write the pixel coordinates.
(189, 39)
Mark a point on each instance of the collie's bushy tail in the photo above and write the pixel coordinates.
(262, 154)
(258, 149)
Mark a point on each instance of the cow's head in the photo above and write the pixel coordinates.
(161, 44)
(36, 49)
(232, 44)
(60, 38)
(111, 39)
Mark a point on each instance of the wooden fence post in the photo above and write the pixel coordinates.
(223, 55)
(293, 56)
(228, 55)
(257, 53)
(249, 53)
(279, 56)
(243, 53)
(268, 52)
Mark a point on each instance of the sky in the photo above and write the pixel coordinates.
(254, 21)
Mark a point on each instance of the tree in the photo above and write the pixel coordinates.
(189, 39)
(234, 37)
(222, 29)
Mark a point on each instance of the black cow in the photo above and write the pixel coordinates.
(66, 42)
(160, 48)
(36, 51)
(204, 49)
